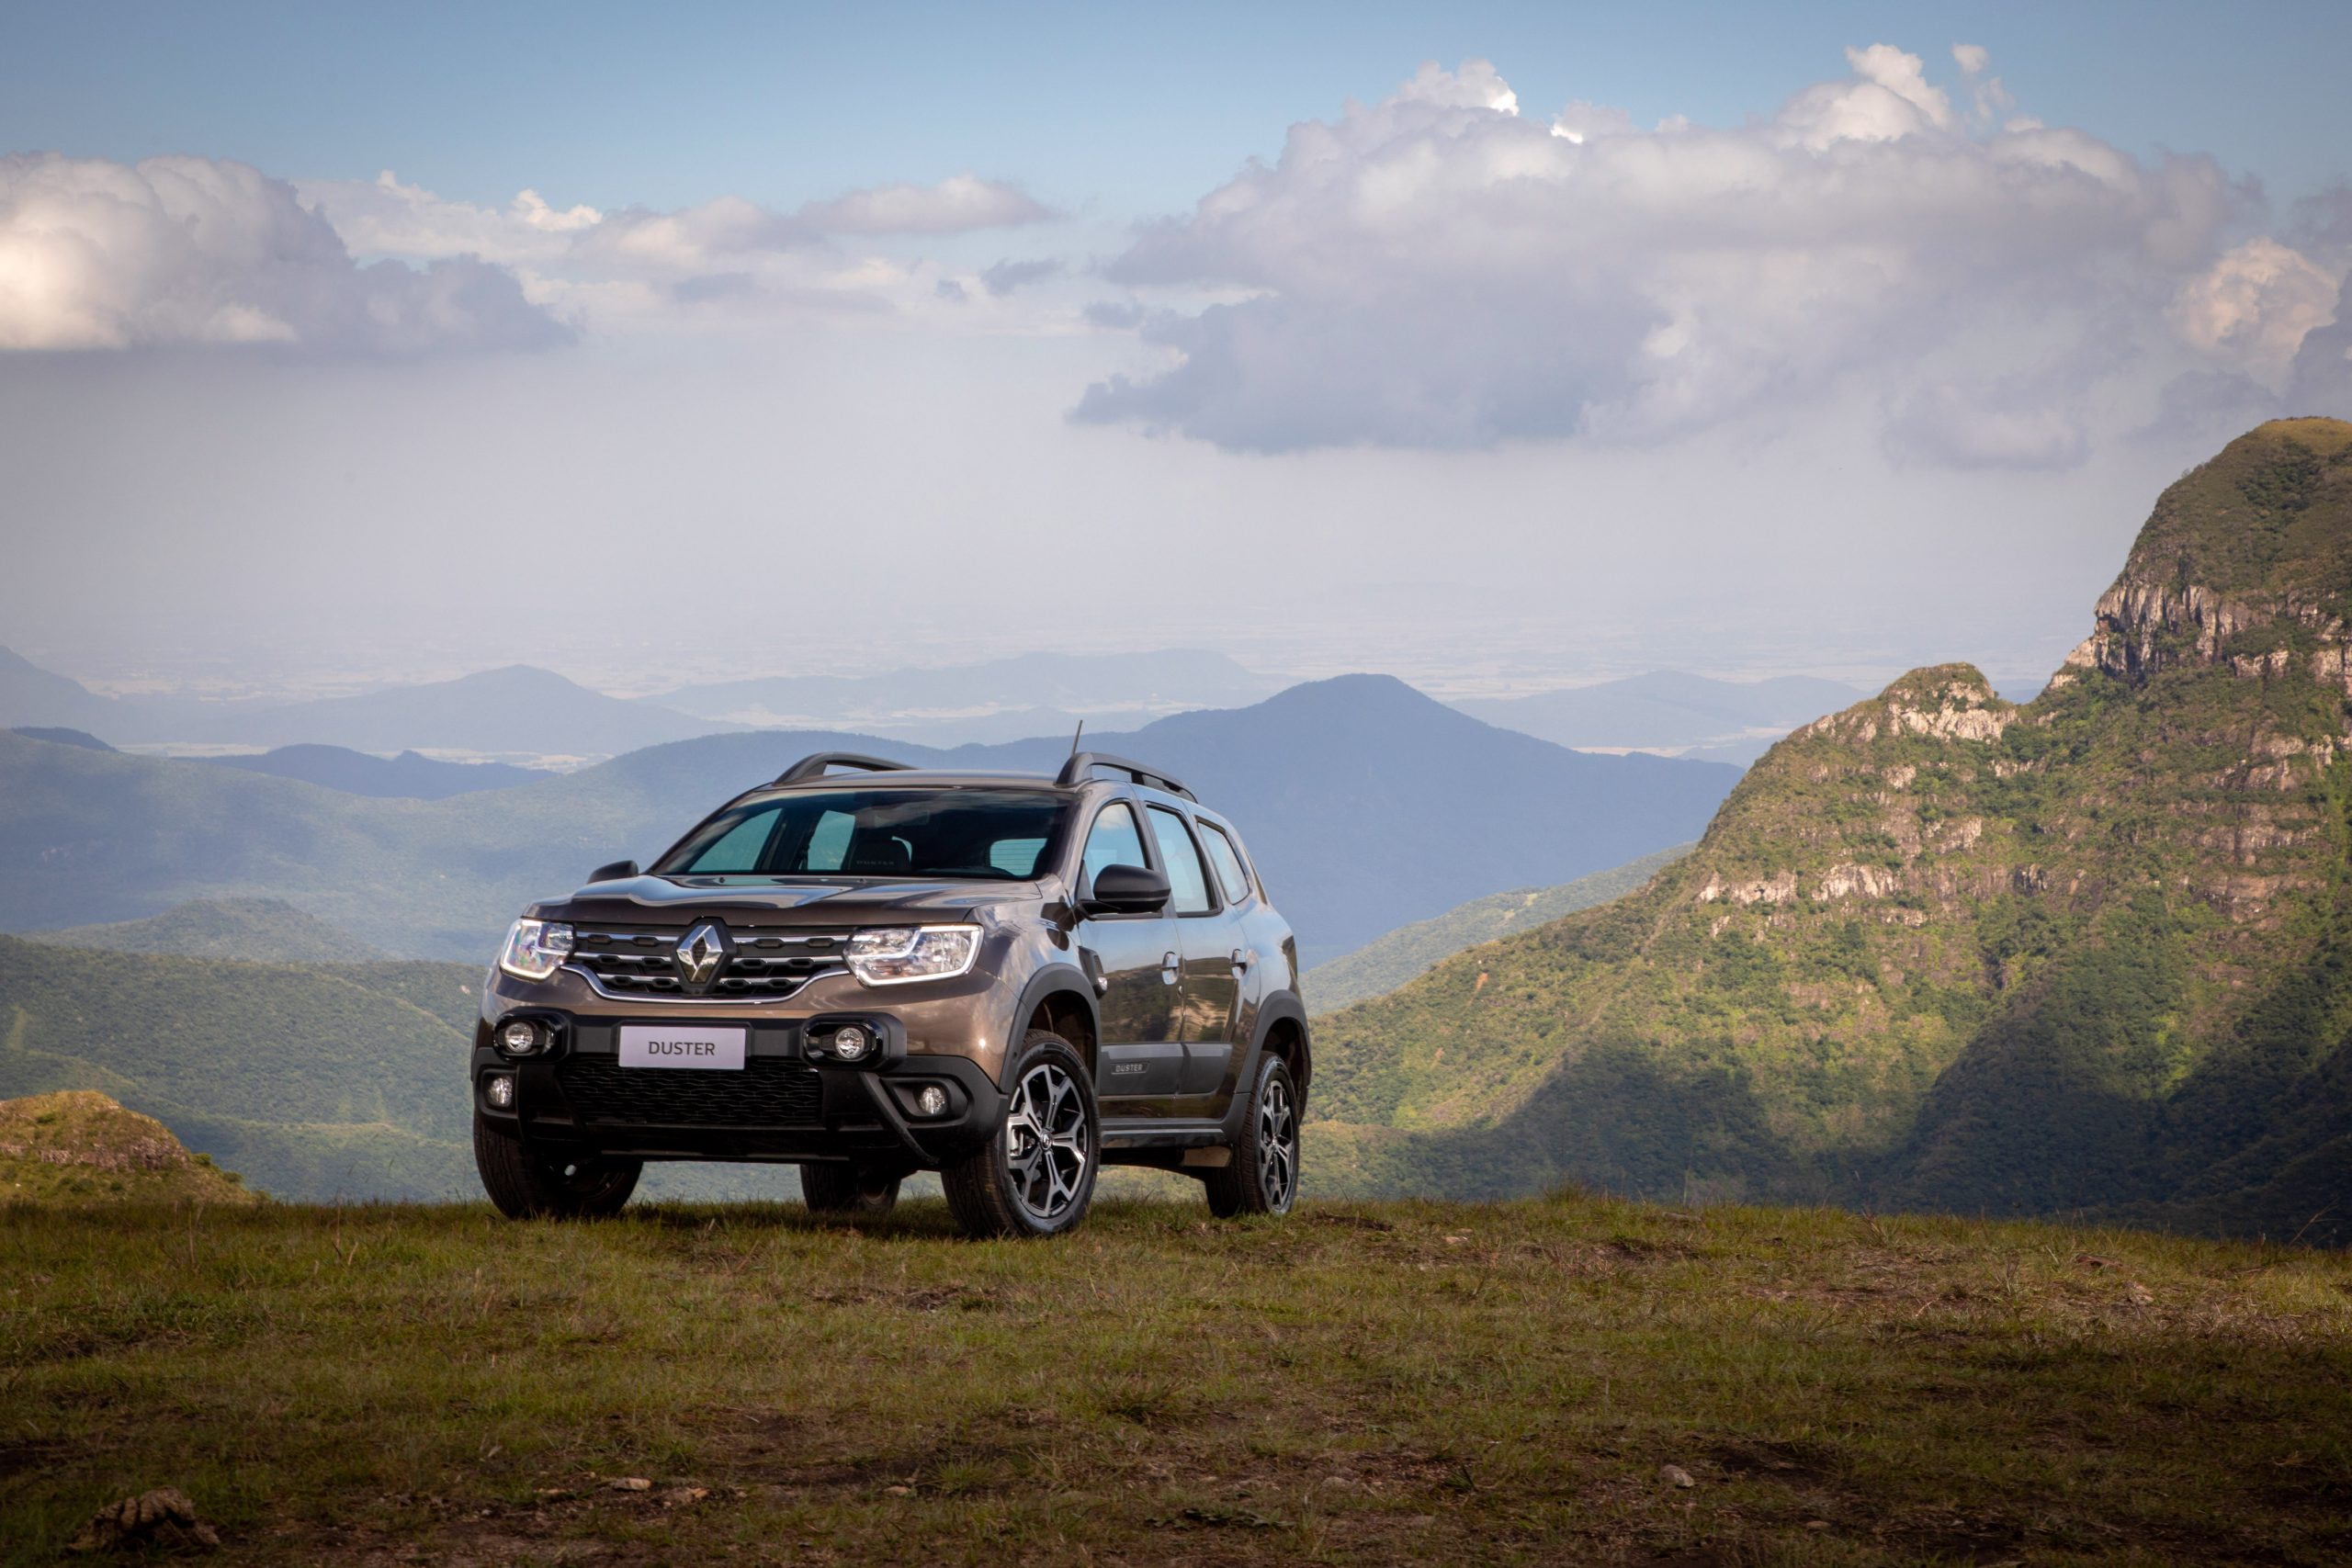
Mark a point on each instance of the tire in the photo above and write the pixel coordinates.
(525, 1185)
(1262, 1177)
(1036, 1176)
(848, 1191)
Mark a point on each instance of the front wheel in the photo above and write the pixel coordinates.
(1035, 1177)
(524, 1184)
(1262, 1177)
(848, 1191)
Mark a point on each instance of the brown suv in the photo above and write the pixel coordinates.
(1010, 980)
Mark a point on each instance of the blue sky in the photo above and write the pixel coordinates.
(1478, 344)
(1137, 109)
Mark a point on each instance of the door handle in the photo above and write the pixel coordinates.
(1169, 968)
(1240, 962)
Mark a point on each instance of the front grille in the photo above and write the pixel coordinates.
(770, 1092)
(634, 962)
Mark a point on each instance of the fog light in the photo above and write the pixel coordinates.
(933, 1100)
(519, 1038)
(851, 1044)
(501, 1091)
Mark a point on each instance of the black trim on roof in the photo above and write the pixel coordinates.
(813, 767)
(1081, 765)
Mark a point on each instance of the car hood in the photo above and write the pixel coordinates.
(782, 901)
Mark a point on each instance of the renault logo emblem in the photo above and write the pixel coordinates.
(700, 953)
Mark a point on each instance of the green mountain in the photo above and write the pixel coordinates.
(313, 1081)
(1387, 963)
(1939, 950)
(260, 931)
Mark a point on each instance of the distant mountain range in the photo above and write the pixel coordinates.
(995, 700)
(1367, 805)
(2090, 954)
(524, 713)
(407, 776)
(1729, 721)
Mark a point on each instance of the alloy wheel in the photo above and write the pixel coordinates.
(1047, 1147)
(1277, 1145)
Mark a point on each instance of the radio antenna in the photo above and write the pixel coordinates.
(1074, 738)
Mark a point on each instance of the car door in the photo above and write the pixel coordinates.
(1244, 922)
(1206, 939)
(1137, 962)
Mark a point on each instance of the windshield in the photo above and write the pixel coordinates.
(992, 833)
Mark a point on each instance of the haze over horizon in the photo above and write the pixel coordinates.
(1513, 348)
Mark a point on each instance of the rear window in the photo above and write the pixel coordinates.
(1227, 860)
(992, 833)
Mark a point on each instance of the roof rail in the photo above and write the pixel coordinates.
(814, 766)
(1081, 765)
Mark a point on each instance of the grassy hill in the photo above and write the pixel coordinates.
(1941, 951)
(1402, 1382)
(1387, 963)
(81, 1147)
(1313, 776)
(256, 929)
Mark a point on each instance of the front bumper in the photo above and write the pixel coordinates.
(574, 1097)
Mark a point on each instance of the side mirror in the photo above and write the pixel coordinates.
(1126, 890)
(619, 871)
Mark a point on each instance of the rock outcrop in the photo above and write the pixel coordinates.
(1943, 950)
(81, 1146)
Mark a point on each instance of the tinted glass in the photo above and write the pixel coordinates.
(1185, 878)
(875, 832)
(1114, 842)
(1227, 860)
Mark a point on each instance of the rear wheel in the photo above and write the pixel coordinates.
(1035, 1177)
(525, 1184)
(848, 1191)
(1262, 1177)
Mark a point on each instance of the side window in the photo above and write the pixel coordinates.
(1227, 860)
(1114, 841)
(740, 850)
(1185, 878)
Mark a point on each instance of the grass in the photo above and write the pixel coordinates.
(1466, 1383)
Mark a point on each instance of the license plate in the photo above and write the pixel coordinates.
(680, 1045)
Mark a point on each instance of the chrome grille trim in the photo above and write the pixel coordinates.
(637, 963)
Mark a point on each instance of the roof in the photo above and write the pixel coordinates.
(1076, 773)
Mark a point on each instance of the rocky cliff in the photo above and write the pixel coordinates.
(1941, 951)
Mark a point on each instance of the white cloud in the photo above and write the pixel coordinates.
(385, 218)
(1952, 425)
(2254, 307)
(727, 261)
(95, 254)
(1433, 270)
(956, 204)
(1972, 58)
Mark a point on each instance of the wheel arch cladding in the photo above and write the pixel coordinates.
(1058, 998)
(1282, 1030)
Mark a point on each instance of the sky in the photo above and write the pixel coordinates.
(1491, 345)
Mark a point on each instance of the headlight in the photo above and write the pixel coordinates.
(895, 957)
(536, 949)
